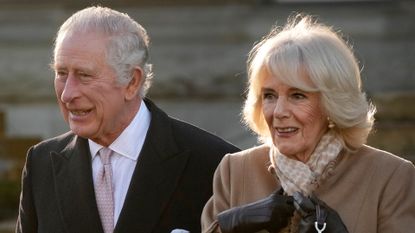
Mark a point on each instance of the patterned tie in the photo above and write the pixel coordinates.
(103, 191)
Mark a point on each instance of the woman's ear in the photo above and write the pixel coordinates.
(134, 86)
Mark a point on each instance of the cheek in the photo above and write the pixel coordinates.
(312, 109)
(267, 111)
(313, 120)
(312, 117)
(58, 87)
(309, 113)
(58, 91)
(108, 104)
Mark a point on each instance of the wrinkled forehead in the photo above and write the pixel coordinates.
(82, 32)
(81, 39)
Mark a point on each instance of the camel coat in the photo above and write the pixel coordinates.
(372, 190)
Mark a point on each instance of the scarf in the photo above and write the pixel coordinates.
(303, 177)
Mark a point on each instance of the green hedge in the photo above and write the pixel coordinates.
(9, 198)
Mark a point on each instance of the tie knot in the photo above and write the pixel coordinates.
(104, 155)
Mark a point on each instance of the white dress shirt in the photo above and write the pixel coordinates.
(126, 149)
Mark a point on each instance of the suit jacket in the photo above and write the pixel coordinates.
(169, 187)
(372, 190)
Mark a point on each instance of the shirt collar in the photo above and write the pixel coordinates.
(131, 140)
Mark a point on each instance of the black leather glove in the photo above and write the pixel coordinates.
(317, 215)
(271, 213)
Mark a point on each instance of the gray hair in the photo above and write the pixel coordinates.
(128, 41)
(306, 47)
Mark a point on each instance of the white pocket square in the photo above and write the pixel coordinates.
(179, 231)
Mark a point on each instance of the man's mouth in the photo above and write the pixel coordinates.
(79, 112)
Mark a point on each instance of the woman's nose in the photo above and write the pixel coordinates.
(281, 109)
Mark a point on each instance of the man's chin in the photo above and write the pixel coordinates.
(80, 132)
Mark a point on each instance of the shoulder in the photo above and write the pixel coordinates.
(241, 171)
(380, 165)
(56, 143)
(191, 136)
(253, 161)
(394, 181)
(254, 155)
(186, 135)
(396, 171)
(380, 158)
(40, 153)
(38, 159)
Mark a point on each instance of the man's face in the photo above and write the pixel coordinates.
(91, 100)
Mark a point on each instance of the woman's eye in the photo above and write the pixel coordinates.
(84, 75)
(299, 96)
(268, 96)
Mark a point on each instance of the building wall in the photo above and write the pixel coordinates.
(199, 50)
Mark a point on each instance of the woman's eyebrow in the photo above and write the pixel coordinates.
(267, 89)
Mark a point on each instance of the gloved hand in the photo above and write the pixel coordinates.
(317, 216)
(271, 213)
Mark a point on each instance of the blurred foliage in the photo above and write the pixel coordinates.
(12, 157)
(9, 198)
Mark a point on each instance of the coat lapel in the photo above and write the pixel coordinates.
(74, 187)
(156, 175)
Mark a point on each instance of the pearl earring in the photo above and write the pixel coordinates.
(331, 123)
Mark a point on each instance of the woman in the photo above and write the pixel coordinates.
(313, 172)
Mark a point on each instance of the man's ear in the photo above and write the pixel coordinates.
(134, 86)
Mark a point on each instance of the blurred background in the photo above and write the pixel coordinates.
(199, 50)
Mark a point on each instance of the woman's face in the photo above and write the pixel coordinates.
(294, 117)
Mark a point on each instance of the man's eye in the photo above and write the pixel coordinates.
(84, 76)
(61, 74)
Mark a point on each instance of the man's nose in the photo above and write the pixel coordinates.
(70, 89)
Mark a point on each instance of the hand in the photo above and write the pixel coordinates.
(317, 214)
(271, 213)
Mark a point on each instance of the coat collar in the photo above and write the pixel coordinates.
(74, 187)
(157, 173)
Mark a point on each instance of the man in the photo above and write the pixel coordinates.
(157, 174)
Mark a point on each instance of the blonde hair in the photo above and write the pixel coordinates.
(304, 46)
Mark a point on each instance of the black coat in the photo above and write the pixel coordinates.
(170, 185)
